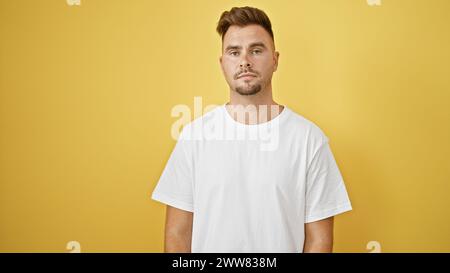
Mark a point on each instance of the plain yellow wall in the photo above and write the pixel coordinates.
(87, 91)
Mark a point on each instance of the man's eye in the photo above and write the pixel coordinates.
(234, 53)
(256, 51)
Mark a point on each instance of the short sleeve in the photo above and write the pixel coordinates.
(175, 186)
(326, 194)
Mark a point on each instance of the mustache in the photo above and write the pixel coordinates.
(248, 70)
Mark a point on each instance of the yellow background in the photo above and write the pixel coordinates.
(87, 91)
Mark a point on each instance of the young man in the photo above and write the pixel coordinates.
(273, 188)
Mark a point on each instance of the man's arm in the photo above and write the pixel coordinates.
(319, 236)
(178, 230)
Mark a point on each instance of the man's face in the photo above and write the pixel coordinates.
(248, 58)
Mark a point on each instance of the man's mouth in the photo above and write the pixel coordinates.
(246, 76)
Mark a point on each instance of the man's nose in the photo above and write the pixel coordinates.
(245, 63)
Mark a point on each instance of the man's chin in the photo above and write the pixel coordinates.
(248, 91)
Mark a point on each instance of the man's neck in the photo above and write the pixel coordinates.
(253, 109)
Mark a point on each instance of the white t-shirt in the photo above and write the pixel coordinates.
(252, 187)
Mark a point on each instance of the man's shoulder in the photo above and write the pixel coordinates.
(305, 126)
(195, 128)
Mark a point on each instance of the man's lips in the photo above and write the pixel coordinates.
(246, 76)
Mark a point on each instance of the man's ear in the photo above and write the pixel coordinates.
(220, 61)
(276, 56)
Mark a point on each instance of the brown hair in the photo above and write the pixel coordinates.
(243, 16)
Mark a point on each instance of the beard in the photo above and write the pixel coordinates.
(248, 90)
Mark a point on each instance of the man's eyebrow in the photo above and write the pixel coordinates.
(250, 46)
(232, 47)
(258, 44)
